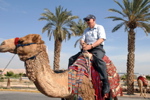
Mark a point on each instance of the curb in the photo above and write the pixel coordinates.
(135, 96)
(33, 91)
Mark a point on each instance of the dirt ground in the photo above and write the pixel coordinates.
(27, 86)
(24, 84)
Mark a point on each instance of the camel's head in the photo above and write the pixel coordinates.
(25, 46)
(8, 46)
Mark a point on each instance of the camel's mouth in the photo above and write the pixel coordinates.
(1, 47)
(1, 50)
(5, 49)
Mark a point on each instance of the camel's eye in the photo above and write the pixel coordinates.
(20, 42)
(3, 43)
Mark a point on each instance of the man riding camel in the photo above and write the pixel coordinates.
(93, 41)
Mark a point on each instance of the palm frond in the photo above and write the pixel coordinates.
(144, 10)
(144, 4)
(49, 34)
(118, 26)
(116, 18)
(127, 5)
(57, 23)
(135, 6)
(77, 42)
(117, 11)
(119, 4)
(145, 27)
(133, 12)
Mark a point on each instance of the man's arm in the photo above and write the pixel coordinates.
(98, 42)
(88, 47)
(81, 42)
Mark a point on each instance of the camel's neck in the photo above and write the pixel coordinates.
(38, 64)
(46, 81)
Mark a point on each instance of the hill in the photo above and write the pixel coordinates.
(16, 71)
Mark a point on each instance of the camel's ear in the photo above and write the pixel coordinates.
(37, 39)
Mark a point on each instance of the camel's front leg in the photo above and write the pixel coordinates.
(116, 98)
(145, 90)
(141, 91)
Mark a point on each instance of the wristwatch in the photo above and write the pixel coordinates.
(92, 46)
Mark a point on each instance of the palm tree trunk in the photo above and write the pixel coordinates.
(130, 62)
(8, 83)
(20, 79)
(57, 50)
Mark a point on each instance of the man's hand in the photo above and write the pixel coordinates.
(83, 45)
(86, 47)
(105, 96)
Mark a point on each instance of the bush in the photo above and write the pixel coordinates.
(1, 79)
(148, 77)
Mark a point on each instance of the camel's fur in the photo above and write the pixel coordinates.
(142, 88)
(38, 70)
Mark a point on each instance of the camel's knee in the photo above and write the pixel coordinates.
(116, 98)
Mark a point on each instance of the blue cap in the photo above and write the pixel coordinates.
(89, 17)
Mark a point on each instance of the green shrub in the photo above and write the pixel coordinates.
(148, 77)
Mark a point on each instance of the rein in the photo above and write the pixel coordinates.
(15, 42)
(8, 63)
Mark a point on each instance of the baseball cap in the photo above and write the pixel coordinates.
(89, 17)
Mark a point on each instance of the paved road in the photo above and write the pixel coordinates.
(135, 98)
(11, 95)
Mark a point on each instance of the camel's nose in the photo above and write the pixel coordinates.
(3, 43)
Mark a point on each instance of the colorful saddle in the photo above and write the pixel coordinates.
(80, 68)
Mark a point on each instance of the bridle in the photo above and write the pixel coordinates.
(17, 44)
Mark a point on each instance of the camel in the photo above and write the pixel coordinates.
(32, 51)
(143, 84)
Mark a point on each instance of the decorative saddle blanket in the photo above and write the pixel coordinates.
(144, 80)
(80, 68)
(113, 77)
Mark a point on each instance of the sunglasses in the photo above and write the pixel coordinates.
(87, 20)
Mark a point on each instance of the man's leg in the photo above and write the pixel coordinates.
(100, 66)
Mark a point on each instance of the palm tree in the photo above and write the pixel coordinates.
(20, 77)
(58, 27)
(78, 29)
(135, 13)
(8, 75)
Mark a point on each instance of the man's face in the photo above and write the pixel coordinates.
(89, 21)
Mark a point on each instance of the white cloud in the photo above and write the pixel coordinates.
(3, 5)
(143, 37)
(2, 8)
(143, 57)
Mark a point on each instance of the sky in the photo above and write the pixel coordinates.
(20, 17)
